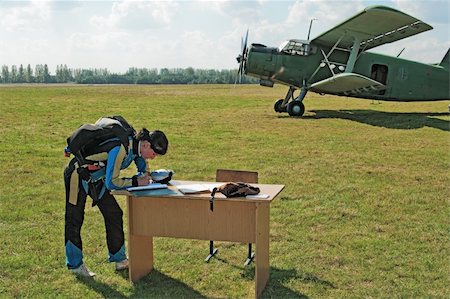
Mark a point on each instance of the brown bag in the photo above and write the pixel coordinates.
(232, 189)
(240, 189)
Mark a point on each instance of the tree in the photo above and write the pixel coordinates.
(13, 74)
(58, 74)
(67, 74)
(62, 74)
(46, 74)
(133, 75)
(29, 74)
(21, 75)
(39, 73)
(5, 74)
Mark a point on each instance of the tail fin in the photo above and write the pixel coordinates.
(446, 60)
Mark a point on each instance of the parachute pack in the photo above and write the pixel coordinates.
(106, 133)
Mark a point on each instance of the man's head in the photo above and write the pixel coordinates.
(151, 143)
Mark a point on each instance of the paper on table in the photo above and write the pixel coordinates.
(257, 196)
(148, 187)
(196, 188)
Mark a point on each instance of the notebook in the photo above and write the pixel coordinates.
(152, 186)
(155, 192)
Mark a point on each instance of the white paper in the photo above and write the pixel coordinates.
(257, 196)
(196, 188)
(148, 187)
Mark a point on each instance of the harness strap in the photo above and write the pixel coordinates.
(211, 199)
(73, 187)
(74, 180)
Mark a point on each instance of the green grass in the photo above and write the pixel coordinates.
(365, 211)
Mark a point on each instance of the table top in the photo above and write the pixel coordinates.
(265, 189)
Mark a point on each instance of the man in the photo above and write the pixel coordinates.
(104, 176)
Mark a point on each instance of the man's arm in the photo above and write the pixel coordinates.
(113, 166)
(141, 165)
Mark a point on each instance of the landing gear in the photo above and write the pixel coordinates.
(278, 106)
(295, 107)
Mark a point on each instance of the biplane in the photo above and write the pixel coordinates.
(337, 62)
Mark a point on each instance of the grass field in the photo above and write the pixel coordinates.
(365, 212)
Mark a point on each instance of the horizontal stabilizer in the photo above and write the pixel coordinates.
(347, 84)
(374, 26)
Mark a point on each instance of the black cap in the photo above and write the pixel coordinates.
(159, 142)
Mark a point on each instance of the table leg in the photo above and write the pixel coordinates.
(140, 249)
(262, 248)
(140, 256)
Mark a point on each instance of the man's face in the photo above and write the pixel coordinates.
(146, 150)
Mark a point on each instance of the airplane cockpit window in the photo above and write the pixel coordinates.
(283, 44)
(297, 47)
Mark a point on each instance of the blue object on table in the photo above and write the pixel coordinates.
(154, 192)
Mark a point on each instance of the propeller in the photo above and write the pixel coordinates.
(242, 57)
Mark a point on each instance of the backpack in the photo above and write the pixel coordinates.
(102, 136)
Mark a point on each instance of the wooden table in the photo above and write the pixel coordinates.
(189, 216)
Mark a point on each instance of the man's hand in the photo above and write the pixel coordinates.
(143, 180)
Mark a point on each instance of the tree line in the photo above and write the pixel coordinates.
(41, 74)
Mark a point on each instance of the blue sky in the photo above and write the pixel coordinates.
(199, 34)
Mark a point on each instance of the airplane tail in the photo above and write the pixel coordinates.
(446, 60)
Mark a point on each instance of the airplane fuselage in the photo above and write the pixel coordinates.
(405, 80)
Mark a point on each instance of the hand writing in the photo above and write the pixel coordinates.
(143, 180)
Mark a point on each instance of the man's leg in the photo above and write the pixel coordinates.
(113, 216)
(74, 216)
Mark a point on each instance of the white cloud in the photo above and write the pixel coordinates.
(240, 12)
(137, 15)
(418, 48)
(190, 49)
(25, 51)
(196, 47)
(27, 17)
(327, 14)
(438, 11)
(102, 41)
(240, 9)
(295, 21)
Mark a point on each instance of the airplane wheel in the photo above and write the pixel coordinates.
(277, 106)
(296, 108)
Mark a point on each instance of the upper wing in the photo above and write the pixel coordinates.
(374, 26)
(348, 84)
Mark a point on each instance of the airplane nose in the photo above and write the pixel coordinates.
(261, 62)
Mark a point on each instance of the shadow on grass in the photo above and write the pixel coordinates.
(279, 279)
(101, 288)
(390, 120)
(158, 285)
(154, 285)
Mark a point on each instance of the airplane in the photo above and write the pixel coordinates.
(337, 63)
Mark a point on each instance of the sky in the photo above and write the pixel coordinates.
(201, 34)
